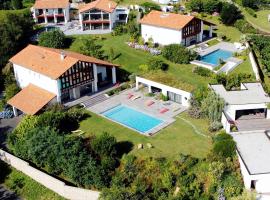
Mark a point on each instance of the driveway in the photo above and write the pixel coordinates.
(6, 126)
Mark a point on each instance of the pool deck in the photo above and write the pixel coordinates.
(140, 104)
(222, 45)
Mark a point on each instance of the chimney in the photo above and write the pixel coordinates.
(110, 5)
(63, 55)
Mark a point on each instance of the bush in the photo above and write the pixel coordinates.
(91, 48)
(156, 63)
(119, 30)
(250, 3)
(215, 126)
(208, 6)
(202, 71)
(178, 54)
(229, 13)
(251, 12)
(243, 26)
(149, 6)
(224, 145)
(52, 39)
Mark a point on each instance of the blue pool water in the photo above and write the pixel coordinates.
(213, 57)
(132, 118)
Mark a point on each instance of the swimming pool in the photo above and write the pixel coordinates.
(132, 118)
(214, 57)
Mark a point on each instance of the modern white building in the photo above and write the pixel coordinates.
(169, 28)
(245, 108)
(46, 74)
(253, 154)
(102, 15)
(173, 94)
(51, 11)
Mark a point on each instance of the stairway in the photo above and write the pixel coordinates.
(94, 100)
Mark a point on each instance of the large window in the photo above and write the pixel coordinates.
(80, 73)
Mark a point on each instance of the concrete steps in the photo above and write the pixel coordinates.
(95, 100)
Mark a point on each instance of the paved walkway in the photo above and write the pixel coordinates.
(6, 126)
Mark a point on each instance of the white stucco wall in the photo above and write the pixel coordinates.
(25, 76)
(163, 36)
(165, 88)
(230, 110)
(262, 180)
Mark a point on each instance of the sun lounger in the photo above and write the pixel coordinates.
(130, 96)
(136, 97)
(164, 110)
(150, 103)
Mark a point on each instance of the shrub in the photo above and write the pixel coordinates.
(251, 12)
(202, 71)
(11, 90)
(119, 30)
(243, 26)
(178, 54)
(149, 6)
(52, 39)
(104, 145)
(156, 63)
(224, 145)
(91, 48)
(250, 3)
(215, 126)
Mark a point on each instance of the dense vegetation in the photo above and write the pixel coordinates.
(261, 45)
(53, 39)
(178, 54)
(45, 141)
(15, 30)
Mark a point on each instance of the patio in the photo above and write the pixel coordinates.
(137, 100)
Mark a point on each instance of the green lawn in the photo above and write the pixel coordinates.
(244, 67)
(232, 34)
(261, 21)
(130, 59)
(177, 138)
(27, 188)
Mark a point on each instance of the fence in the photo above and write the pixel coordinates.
(48, 181)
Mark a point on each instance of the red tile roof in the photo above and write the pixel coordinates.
(104, 5)
(167, 20)
(31, 99)
(47, 61)
(43, 4)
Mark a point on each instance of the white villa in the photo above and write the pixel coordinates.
(51, 11)
(101, 15)
(52, 75)
(169, 28)
(247, 110)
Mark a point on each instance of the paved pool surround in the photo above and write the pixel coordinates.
(140, 105)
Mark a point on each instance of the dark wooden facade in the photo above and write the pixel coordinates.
(80, 74)
(192, 28)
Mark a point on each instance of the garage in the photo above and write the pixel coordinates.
(259, 113)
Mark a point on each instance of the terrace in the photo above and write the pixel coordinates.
(138, 100)
(211, 57)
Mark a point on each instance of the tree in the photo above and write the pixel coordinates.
(104, 145)
(16, 4)
(90, 48)
(149, 6)
(229, 13)
(52, 39)
(211, 6)
(15, 30)
(178, 54)
(212, 107)
(195, 5)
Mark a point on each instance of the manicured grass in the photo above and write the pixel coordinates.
(232, 34)
(244, 67)
(213, 42)
(177, 138)
(27, 188)
(130, 59)
(261, 21)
